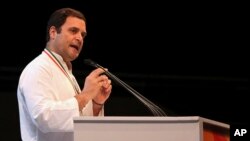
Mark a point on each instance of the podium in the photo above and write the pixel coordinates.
(188, 128)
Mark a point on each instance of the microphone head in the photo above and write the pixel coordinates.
(90, 63)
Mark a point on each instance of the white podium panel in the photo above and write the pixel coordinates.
(192, 128)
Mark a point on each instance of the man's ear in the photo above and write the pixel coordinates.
(52, 32)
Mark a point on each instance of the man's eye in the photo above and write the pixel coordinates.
(84, 34)
(74, 31)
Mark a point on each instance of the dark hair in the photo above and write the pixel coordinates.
(59, 17)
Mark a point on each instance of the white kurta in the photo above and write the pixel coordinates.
(46, 101)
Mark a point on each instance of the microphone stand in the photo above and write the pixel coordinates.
(156, 111)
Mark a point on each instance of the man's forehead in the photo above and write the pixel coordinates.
(75, 22)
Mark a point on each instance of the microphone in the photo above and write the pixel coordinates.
(156, 111)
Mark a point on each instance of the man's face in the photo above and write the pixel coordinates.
(69, 41)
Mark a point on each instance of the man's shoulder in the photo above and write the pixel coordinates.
(41, 62)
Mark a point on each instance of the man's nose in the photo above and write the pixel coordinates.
(79, 37)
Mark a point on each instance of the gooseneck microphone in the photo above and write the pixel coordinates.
(156, 111)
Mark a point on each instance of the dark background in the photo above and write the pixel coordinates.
(190, 59)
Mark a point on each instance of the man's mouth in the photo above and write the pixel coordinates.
(75, 46)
